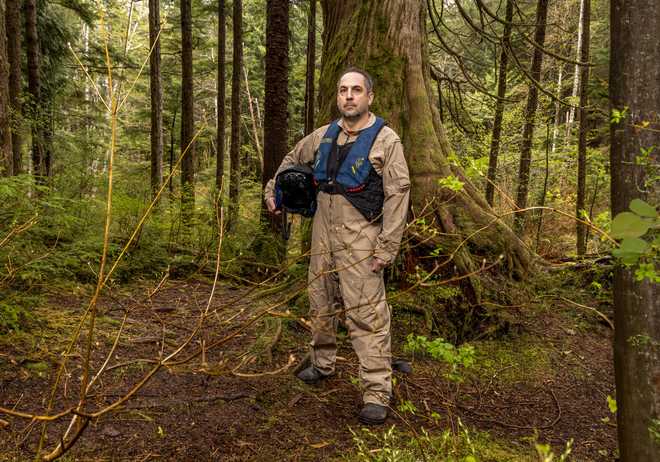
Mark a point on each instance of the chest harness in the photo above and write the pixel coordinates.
(347, 170)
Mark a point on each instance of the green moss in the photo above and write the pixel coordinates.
(511, 360)
(465, 445)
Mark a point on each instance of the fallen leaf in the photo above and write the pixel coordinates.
(320, 445)
(3, 423)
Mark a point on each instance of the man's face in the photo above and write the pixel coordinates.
(353, 99)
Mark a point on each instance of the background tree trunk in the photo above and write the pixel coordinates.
(234, 155)
(34, 87)
(6, 152)
(389, 40)
(311, 67)
(570, 115)
(580, 207)
(156, 98)
(220, 125)
(634, 85)
(187, 114)
(276, 116)
(14, 32)
(499, 108)
(530, 114)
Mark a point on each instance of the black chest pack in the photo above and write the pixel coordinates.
(344, 170)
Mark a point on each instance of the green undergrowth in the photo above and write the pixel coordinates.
(464, 445)
(518, 359)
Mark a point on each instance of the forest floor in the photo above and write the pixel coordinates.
(547, 381)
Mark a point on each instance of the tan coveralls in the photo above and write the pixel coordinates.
(343, 245)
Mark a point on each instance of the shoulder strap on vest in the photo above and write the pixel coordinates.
(325, 147)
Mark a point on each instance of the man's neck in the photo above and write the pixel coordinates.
(352, 126)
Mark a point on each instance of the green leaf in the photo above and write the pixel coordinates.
(643, 209)
(627, 224)
(611, 403)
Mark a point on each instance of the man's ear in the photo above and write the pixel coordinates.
(371, 98)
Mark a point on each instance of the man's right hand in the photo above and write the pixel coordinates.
(270, 203)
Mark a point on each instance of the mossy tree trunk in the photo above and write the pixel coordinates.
(388, 39)
(634, 89)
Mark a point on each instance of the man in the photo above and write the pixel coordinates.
(362, 206)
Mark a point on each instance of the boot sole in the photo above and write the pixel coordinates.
(367, 421)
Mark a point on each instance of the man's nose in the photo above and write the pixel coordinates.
(349, 94)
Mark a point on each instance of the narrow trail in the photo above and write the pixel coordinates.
(553, 376)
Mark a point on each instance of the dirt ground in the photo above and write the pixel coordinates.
(229, 396)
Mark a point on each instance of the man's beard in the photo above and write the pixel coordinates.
(352, 116)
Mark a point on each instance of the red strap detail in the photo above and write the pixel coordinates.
(356, 189)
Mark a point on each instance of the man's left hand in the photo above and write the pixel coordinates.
(377, 265)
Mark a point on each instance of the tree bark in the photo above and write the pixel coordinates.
(530, 114)
(156, 98)
(256, 166)
(276, 116)
(13, 29)
(580, 207)
(570, 116)
(187, 114)
(234, 154)
(34, 88)
(555, 130)
(499, 107)
(635, 87)
(388, 39)
(311, 68)
(220, 124)
(6, 152)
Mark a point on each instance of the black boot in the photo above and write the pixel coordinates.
(311, 375)
(401, 365)
(373, 414)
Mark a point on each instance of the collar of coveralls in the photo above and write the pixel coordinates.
(353, 133)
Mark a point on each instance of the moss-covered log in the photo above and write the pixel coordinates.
(388, 39)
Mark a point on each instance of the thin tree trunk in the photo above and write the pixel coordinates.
(544, 192)
(311, 68)
(34, 87)
(6, 152)
(581, 228)
(234, 155)
(13, 24)
(570, 117)
(634, 71)
(156, 98)
(499, 107)
(555, 130)
(530, 114)
(255, 131)
(220, 124)
(187, 114)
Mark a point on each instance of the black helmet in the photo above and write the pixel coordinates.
(295, 190)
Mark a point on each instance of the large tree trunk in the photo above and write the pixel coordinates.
(156, 98)
(635, 87)
(580, 207)
(388, 39)
(311, 67)
(530, 115)
(499, 107)
(187, 114)
(276, 116)
(34, 87)
(13, 24)
(234, 153)
(6, 153)
(220, 125)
